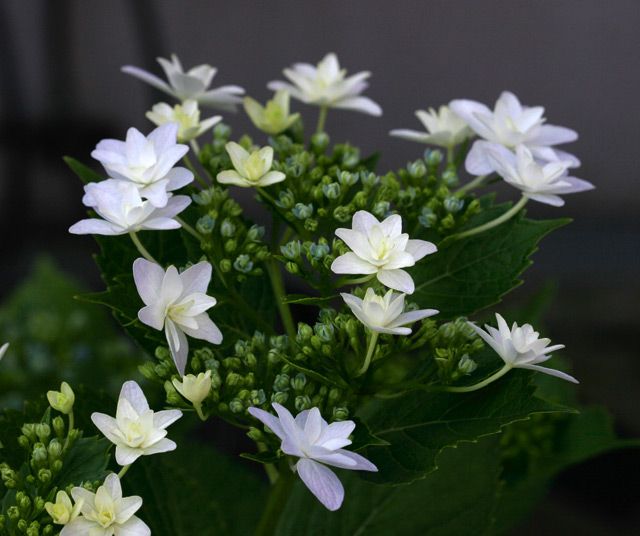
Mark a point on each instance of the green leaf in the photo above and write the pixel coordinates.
(579, 438)
(84, 173)
(440, 505)
(470, 274)
(303, 299)
(420, 425)
(196, 490)
(86, 461)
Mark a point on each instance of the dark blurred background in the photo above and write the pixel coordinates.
(61, 91)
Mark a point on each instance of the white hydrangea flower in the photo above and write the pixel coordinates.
(274, 117)
(317, 444)
(122, 210)
(177, 303)
(251, 169)
(136, 430)
(540, 182)
(443, 128)
(520, 347)
(327, 85)
(106, 512)
(63, 399)
(3, 349)
(384, 314)
(511, 124)
(63, 510)
(194, 388)
(380, 248)
(192, 84)
(185, 115)
(147, 162)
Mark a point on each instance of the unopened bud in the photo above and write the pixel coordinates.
(62, 400)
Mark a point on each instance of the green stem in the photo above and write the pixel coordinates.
(356, 280)
(195, 147)
(370, 350)
(71, 425)
(277, 284)
(469, 388)
(188, 228)
(493, 223)
(267, 196)
(189, 164)
(270, 469)
(475, 183)
(322, 118)
(143, 251)
(276, 502)
(123, 471)
(198, 408)
(450, 154)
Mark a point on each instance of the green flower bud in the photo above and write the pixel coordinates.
(56, 466)
(39, 455)
(466, 365)
(318, 251)
(225, 265)
(29, 430)
(255, 233)
(236, 406)
(331, 191)
(310, 224)
(23, 501)
(453, 204)
(319, 142)
(205, 224)
(324, 331)
(304, 332)
(43, 431)
(48, 530)
(281, 383)
(13, 513)
(286, 200)
(302, 211)
(202, 198)
(302, 402)
(340, 414)
(257, 397)
(292, 268)
(347, 179)
(222, 131)
(417, 169)
(381, 209)
(44, 476)
(448, 221)
(227, 229)
(280, 397)
(433, 157)
(291, 250)
(243, 264)
(427, 217)
(450, 177)
(342, 214)
(298, 382)
(24, 442)
(55, 450)
(34, 529)
(256, 435)
(233, 379)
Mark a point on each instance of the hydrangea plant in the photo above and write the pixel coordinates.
(336, 323)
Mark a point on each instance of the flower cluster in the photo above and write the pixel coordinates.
(380, 339)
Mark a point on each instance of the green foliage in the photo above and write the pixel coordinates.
(419, 425)
(55, 337)
(196, 490)
(470, 274)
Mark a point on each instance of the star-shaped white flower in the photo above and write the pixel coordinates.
(520, 347)
(194, 388)
(136, 430)
(540, 182)
(106, 512)
(384, 314)
(63, 510)
(443, 128)
(185, 115)
(177, 303)
(147, 162)
(317, 444)
(122, 210)
(192, 84)
(380, 248)
(251, 169)
(511, 124)
(327, 85)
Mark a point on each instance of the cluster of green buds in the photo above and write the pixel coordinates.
(524, 444)
(31, 486)
(311, 260)
(226, 238)
(452, 345)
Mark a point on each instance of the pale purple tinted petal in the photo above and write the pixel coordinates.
(178, 345)
(106, 425)
(132, 392)
(270, 421)
(348, 460)
(178, 177)
(148, 277)
(336, 430)
(96, 226)
(206, 330)
(322, 482)
(553, 135)
(196, 278)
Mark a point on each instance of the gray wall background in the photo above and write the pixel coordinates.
(61, 91)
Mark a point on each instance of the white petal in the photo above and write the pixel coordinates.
(350, 263)
(362, 221)
(107, 425)
(153, 315)
(96, 226)
(397, 280)
(126, 507)
(134, 527)
(149, 78)
(392, 226)
(313, 425)
(411, 135)
(272, 177)
(336, 430)
(359, 104)
(206, 330)
(164, 445)
(148, 279)
(231, 176)
(322, 482)
(553, 135)
(164, 418)
(547, 199)
(348, 460)
(196, 278)
(178, 177)
(550, 371)
(412, 316)
(420, 248)
(238, 155)
(113, 487)
(79, 527)
(270, 421)
(178, 345)
(126, 455)
(131, 391)
(469, 111)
